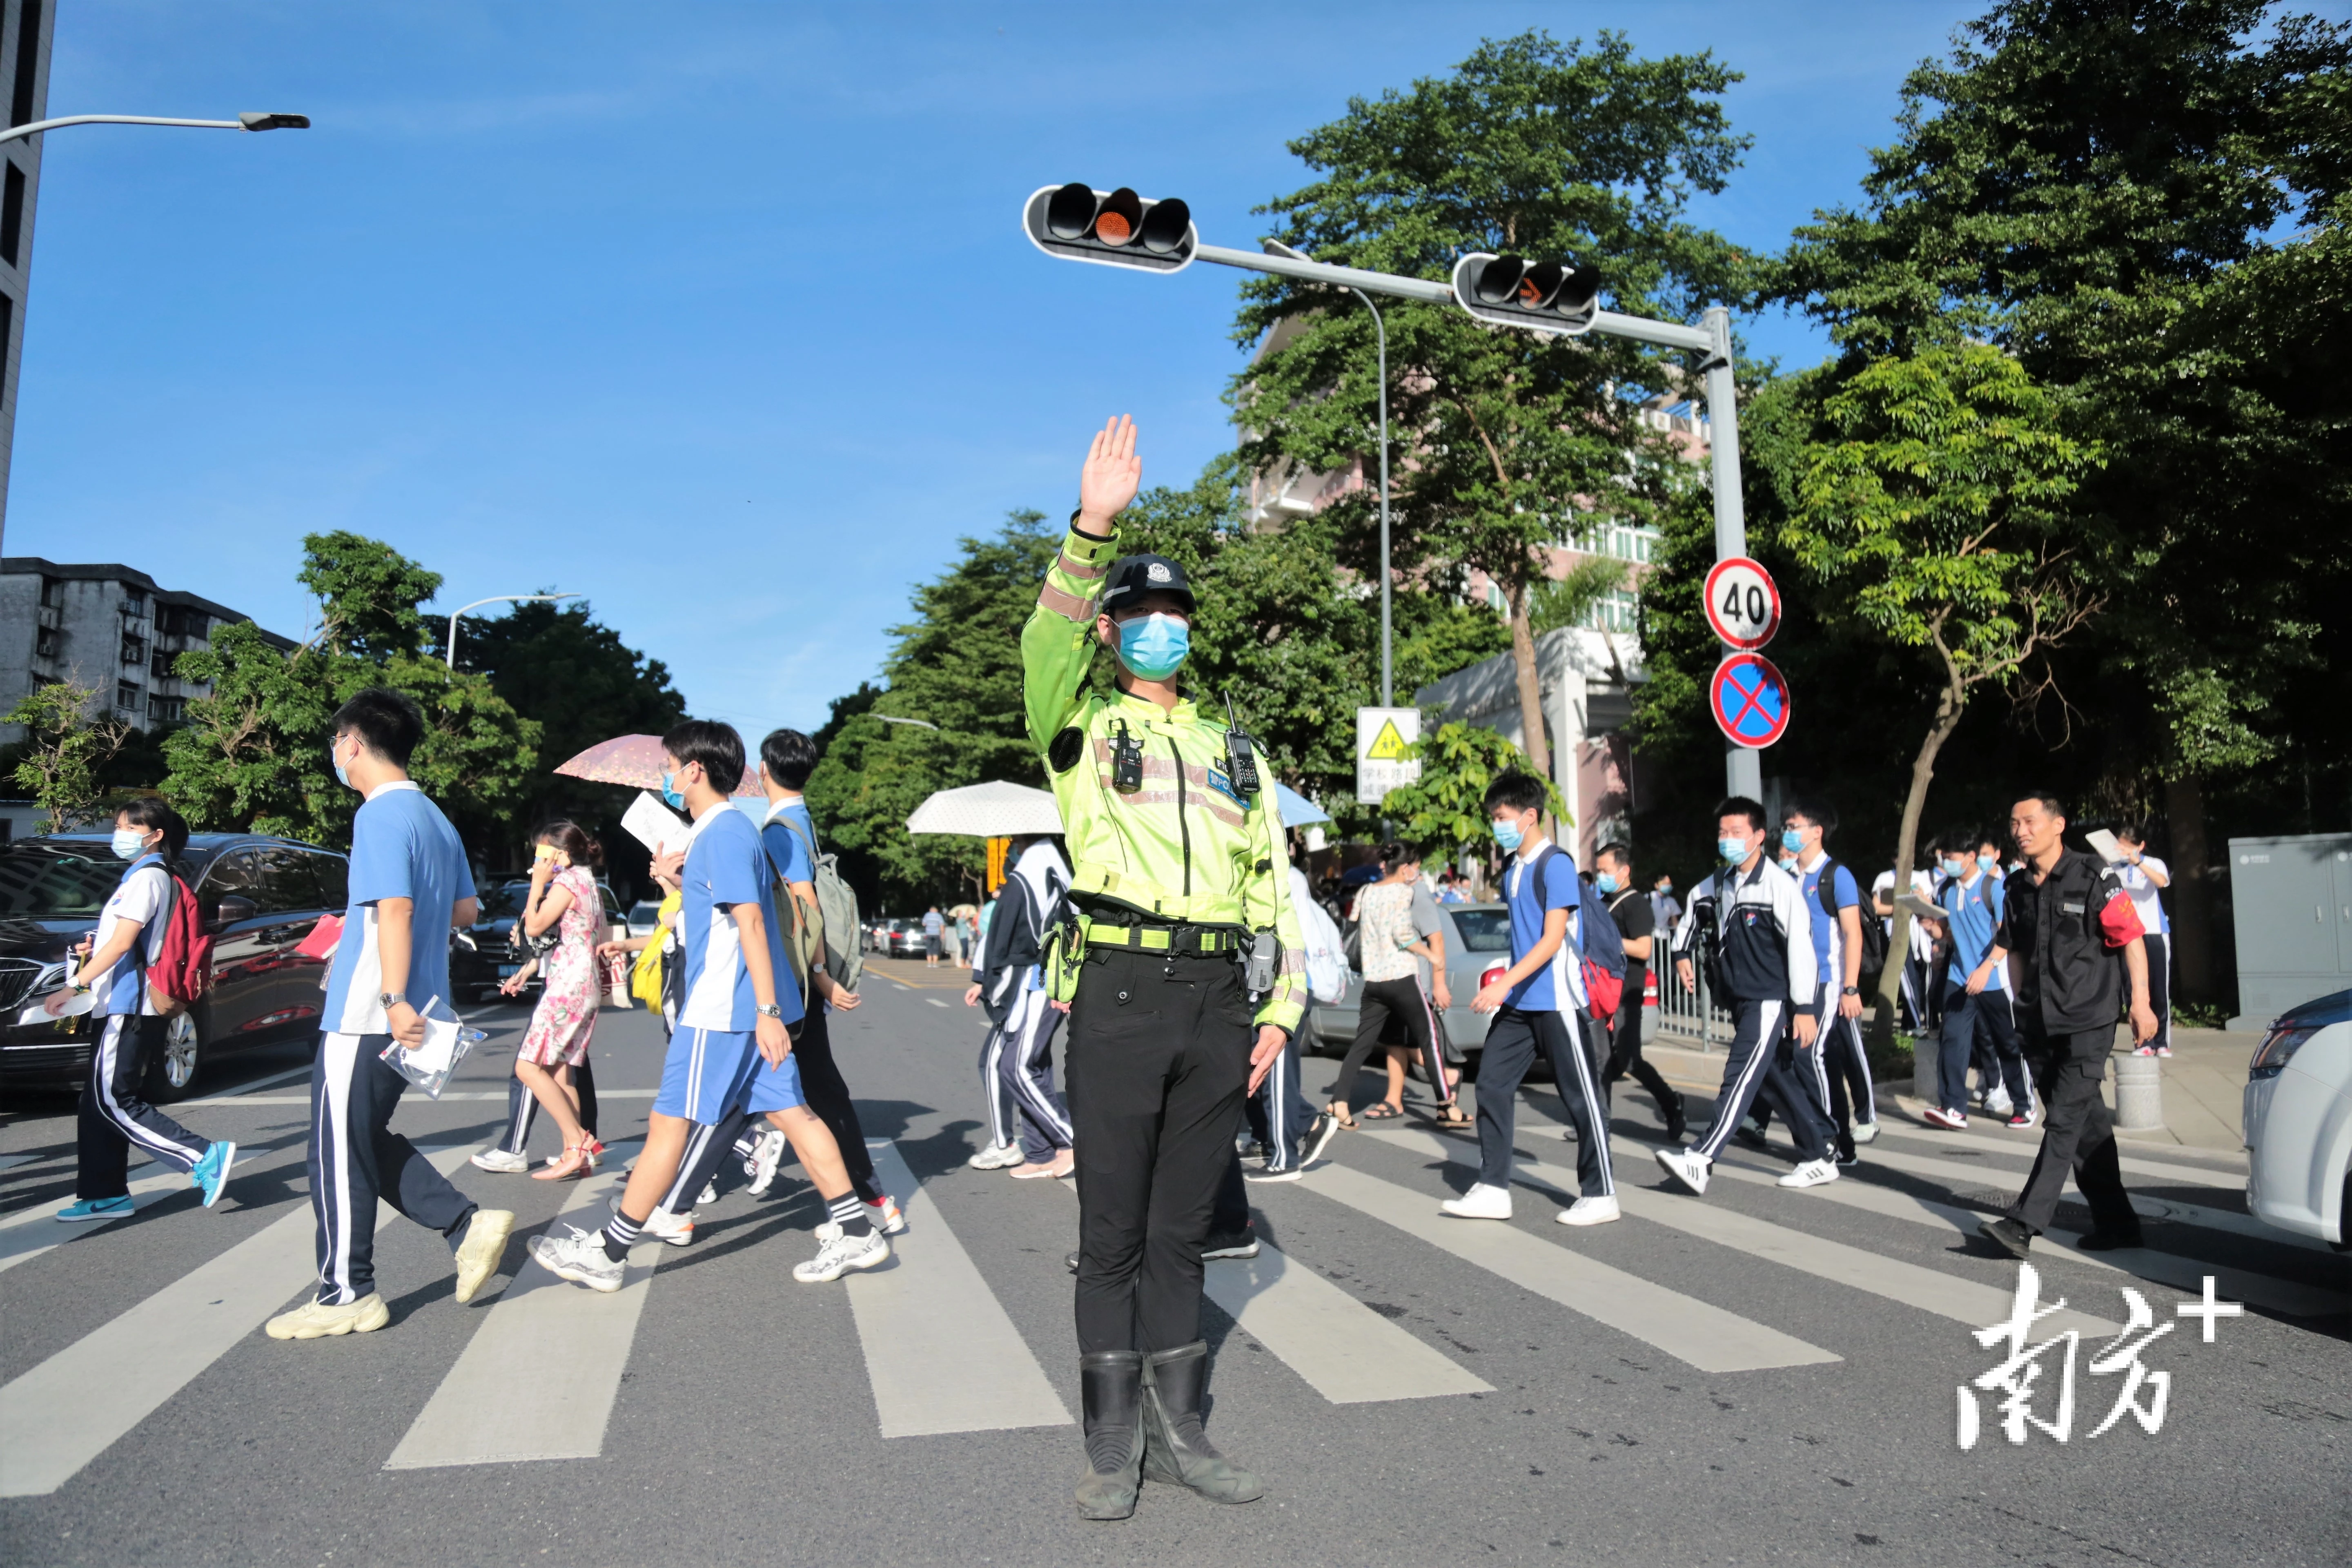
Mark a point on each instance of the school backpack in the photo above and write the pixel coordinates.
(1601, 955)
(182, 972)
(1874, 930)
(837, 909)
(1327, 963)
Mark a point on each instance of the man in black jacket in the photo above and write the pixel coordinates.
(2069, 935)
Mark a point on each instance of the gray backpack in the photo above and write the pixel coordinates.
(836, 908)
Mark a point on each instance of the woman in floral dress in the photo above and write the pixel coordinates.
(564, 901)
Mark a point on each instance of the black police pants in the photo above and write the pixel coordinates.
(2078, 1134)
(1157, 1065)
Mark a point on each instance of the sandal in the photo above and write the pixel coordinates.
(1381, 1111)
(1342, 1115)
(1452, 1117)
(574, 1164)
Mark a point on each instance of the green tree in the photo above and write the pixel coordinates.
(1934, 505)
(253, 755)
(2141, 200)
(67, 746)
(1444, 812)
(1509, 443)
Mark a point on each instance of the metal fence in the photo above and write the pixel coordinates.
(1691, 1017)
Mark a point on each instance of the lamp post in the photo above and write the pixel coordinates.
(449, 655)
(250, 120)
(1388, 663)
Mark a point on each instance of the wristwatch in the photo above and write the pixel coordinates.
(773, 1011)
(387, 998)
(1850, 991)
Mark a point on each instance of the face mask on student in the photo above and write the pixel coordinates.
(1988, 861)
(676, 801)
(1733, 851)
(1955, 867)
(1793, 840)
(341, 777)
(129, 843)
(1153, 646)
(1605, 882)
(1508, 835)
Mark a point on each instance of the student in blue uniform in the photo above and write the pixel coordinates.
(115, 1112)
(1840, 1078)
(410, 887)
(1539, 1004)
(1981, 1024)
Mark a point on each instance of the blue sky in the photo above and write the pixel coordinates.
(717, 314)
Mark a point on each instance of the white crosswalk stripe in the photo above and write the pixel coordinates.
(940, 1352)
(1345, 1350)
(1696, 1331)
(72, 1407)
(538, 1379)
(2021, 1143)
(28, 1233)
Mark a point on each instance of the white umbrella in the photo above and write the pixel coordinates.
(998, 810)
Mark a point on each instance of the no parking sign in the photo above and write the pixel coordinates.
(1749, 700)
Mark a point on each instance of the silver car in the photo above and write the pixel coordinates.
(1477, 950)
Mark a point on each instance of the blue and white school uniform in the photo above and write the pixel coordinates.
(1545, 1013)
(401, 847)
(1972, 912)
(115, 1113)
(714, 1066)
(1842, 1067)
(2155, 936)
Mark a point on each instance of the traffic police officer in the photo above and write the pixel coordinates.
(1179, 1000)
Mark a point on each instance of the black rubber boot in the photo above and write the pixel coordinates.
(1176, 1451)
(1111, 1383)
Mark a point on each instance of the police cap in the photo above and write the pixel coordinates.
(1133, 576)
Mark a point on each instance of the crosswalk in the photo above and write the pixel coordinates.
(538, 1376)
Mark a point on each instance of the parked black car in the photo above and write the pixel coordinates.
(260, 897)
(480, 958)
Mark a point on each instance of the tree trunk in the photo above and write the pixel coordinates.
(1949, 708)
(2192, 926)
(1523, 666)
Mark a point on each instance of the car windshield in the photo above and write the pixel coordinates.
(44, 883)
(1483, 931)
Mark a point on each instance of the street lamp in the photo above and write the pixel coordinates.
(1387, 682)
(253, 120)
(450, 655)
(916, 724)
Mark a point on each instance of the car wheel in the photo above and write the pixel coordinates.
(173, 1070)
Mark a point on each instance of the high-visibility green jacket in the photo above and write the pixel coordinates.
(1186, 847)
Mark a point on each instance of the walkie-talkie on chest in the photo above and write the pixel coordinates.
(1241, 755)
(1126, 760)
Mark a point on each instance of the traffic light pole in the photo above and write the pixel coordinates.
(1742, 766)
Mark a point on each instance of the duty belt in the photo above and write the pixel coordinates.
(1160, 938)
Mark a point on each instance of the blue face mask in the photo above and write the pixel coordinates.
(676, 801)
(341, 777)
(1988, 861)
(1955, 867)
(1792, 840)
(1733, 851)
(1508, 835)
(1153, 646)
(1605, 882)
(130, 843)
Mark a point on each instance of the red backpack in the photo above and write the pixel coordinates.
(182, 972)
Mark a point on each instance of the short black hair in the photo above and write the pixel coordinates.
(2049, 801)
(1520, 792)
(1819, 813)
(1621, 853)
(789, 756)
(715, 745)
(389, 724)
(2132, 831)
(155, 810)
(1740, 806)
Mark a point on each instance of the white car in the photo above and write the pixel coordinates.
(2298, 1121)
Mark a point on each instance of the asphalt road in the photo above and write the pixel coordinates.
(1765, 1375)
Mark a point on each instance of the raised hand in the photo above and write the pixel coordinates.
(1111, 476)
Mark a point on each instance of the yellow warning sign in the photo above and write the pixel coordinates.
(1387, 746)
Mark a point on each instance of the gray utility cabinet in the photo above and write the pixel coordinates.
(2291, 899)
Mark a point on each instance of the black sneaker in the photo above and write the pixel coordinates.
(1231, 1244)
(2008, 1234)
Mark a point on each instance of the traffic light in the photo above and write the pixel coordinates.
(1117, 228)
(1542, 296)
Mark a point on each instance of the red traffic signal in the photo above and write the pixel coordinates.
(1541, 296)
(1117, 228)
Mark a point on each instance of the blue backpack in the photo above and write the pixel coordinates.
(1602, 948)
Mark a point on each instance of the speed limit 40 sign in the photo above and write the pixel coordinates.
(1743, 604)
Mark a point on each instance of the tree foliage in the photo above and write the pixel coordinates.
(1444, 812)
(69, 741)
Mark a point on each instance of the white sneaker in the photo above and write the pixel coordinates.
(885, 1216)
(762, 1166)
(840, 1254)
(1865, 1131)
(498, 1160)
(1999, 1104)
(1481, 1202)
(1951, 1120)
(709, 1194)
(1686, 1167)
(662, 1225)
(1811, 1173)
(578, 1257)
(1291, 1175)
(1590, 1211)
(995, 1157)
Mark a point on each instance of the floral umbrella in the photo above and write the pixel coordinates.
(633, 761)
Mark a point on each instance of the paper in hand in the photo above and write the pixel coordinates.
(445, 1044)
(2104, 842)
(656, 826)
(78, 1003)
(1919, 907)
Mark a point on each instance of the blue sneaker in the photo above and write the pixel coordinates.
(211, 1173)
(96, 1208)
